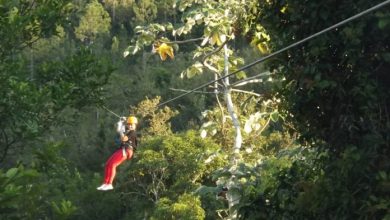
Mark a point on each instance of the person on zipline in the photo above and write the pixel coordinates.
(128, 142)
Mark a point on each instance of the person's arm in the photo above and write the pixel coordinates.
(120, 128)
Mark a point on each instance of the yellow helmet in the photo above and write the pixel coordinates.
(132, 120)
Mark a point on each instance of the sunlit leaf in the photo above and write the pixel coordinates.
(11, 172)
(169, 27)
(215, 39)
(203, 133)
(205, 40)
(240, 75)
(274, 116)
(126, 53)
(283, 10)
(248, 126)
(262, 47)
(165, 50)
(130, 50)
(13, 14)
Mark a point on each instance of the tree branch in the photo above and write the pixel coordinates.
(183, 41)
(214, 51)
(265, 126)
(220, 107)
(251, 79)
(183, 90)
(7, 145)
(243, 83)
(247, 92)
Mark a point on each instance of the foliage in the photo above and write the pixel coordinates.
(145, 11)
(217, 21)
(167, 167)
(67, 193)
(29, 21)
(30, 106)
(335, 99)
(323, 77)
(156, 119)
(330, 92)
(276, 181)
(187, 207)
(19, 194)
(95, 22)
(256, 114)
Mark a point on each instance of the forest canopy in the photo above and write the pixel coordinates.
(303, 134)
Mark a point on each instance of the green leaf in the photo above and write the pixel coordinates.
(382, 175)
(383, 22)
(274, 116)
(233, 195)
(169, 27)
(13, 14)
(11, 172)
(240, 75)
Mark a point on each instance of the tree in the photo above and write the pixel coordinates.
(217, 23)
(334, 95)
(32, 97)
(329, 97)
(96, 21)
(166, 167)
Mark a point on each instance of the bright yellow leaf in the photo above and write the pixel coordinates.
(283, 10)
(163, 50)
(262, 47)
(215, 39)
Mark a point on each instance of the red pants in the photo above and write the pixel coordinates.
(115, 160)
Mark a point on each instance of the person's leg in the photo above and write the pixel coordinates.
(108, 167)
(129, 153)
(115, 160)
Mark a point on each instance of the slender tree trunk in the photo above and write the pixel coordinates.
(233, 198)
(143, 62)
(114, 11)
(32, 64)
(230, 107)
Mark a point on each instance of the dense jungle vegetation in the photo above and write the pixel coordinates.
(302, 135)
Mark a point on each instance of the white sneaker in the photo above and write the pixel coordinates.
(101, 187)
(107, 187)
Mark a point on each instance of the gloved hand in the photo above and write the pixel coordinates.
(124, 138)
(120, 128)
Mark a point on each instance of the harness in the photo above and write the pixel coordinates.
(130, 144)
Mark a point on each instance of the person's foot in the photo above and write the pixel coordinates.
(101, 187)
(107, 187)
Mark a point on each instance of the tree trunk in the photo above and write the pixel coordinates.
(232, 197)
(230, 107)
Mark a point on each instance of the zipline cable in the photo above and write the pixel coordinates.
(376, 7)
(111, 111)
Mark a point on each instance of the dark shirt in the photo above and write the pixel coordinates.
(132, 140)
